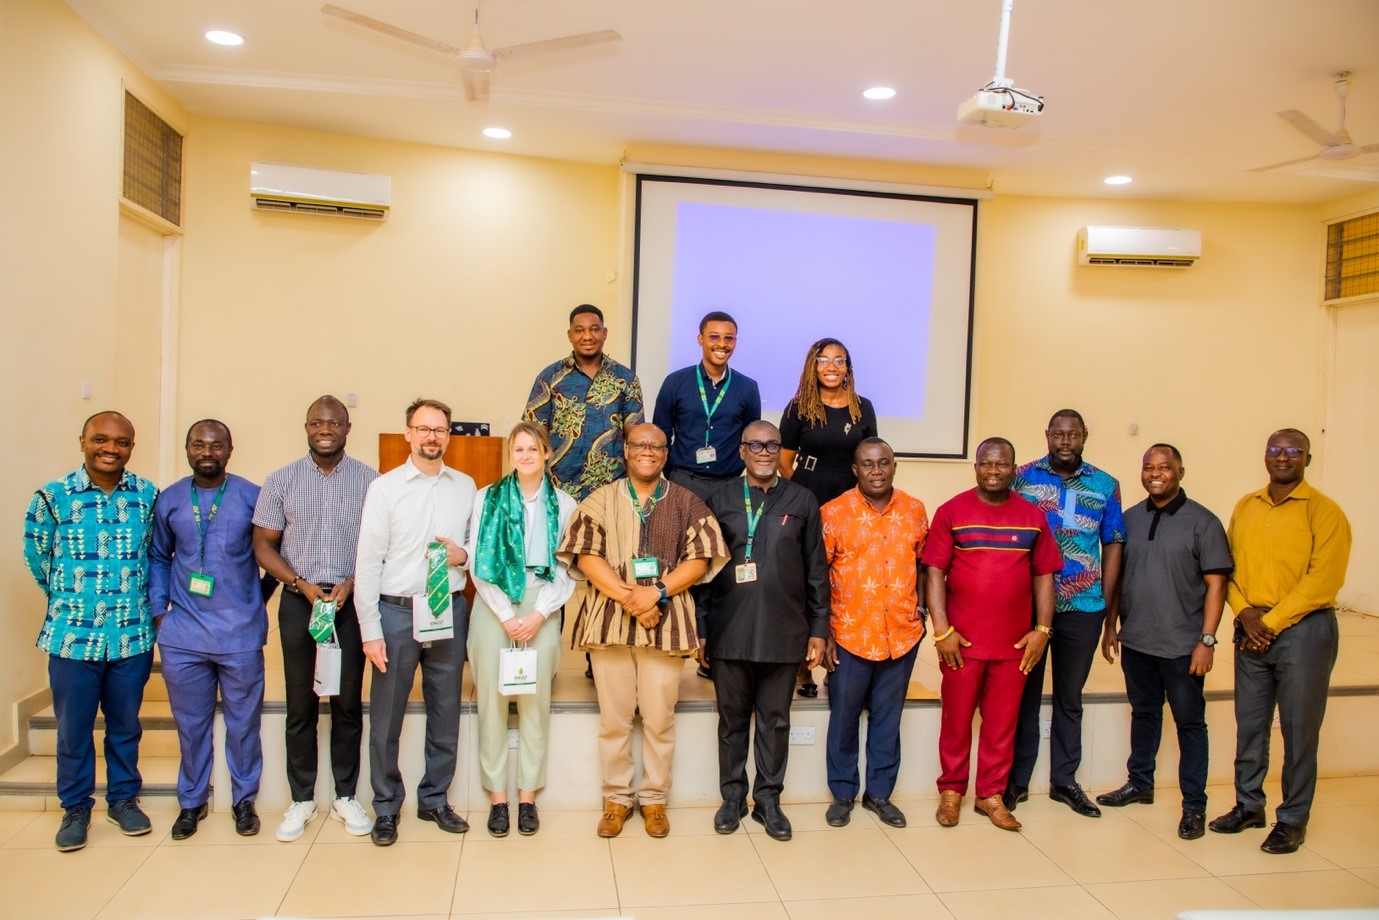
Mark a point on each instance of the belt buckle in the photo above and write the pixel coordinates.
(809, 463)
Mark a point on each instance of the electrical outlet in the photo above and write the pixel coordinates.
(512, 739)
(802, 735)
(1045, 728)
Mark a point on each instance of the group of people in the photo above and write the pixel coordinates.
(710, 534)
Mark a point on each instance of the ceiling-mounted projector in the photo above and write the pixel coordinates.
(999, 104)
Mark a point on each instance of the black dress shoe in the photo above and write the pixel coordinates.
(809, 691)
(1193, 825)
(528, 821)
(729, 815)
(1076, 799)
(246, 819)
(1236, 820)
(187, 819)
(384, 833)
(1129, 794)
(769, 816)
(499, 820)
(704, 672)
(1013, 796)
(445, 818)
(884, 810)
(839, 812)
(1284, 838)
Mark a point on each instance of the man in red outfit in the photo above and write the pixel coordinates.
(991, 556)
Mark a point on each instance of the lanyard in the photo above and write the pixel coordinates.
(753, 517)
(644, 514)
(704, 397)
(196, 514)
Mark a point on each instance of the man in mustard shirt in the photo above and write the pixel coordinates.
(1291, 544)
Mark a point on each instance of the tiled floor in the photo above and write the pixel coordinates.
(1128, 864)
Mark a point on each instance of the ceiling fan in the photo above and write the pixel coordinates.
(1337, 146)
(475, 59)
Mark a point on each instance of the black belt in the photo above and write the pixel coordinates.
(397, 601)
(289, 586)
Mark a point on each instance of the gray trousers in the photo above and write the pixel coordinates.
(1293, 673)
(442, 667)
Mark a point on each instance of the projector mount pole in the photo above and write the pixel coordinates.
(1002, 40)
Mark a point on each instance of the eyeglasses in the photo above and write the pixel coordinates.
(839, 361)
(715, 338)
(425, 431)
(1292, 453)
(334, 424)
(757, 447)
(645, 447)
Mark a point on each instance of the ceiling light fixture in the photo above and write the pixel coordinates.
(879, 92)
(1118, 180)
(500, 134)
(221, 37)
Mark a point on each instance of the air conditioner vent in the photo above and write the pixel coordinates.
(303, 190)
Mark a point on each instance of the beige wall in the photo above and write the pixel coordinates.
(61, 114)
(464, 291)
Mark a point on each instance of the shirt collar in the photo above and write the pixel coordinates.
(1171, 508)
(864, 502)
(1302, 492)
(83, 481)
(412, 472)
(570, 362)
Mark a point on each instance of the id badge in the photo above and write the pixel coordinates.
(746, 572)
(200, 584)
(705, 455)
(646, 567)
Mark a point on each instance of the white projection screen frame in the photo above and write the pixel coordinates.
(888, 274)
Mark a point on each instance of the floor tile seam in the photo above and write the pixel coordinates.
(1260, 904)
(148, 854)
(455, 880)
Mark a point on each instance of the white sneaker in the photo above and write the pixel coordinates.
(348, 811)
(296, 820)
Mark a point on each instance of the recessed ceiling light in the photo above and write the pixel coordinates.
(879, 92)
(1118, 180)
(221, 37)
(497, 133)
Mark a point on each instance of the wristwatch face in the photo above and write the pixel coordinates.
(1208, 640)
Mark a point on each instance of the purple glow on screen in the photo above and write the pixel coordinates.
(792, 278)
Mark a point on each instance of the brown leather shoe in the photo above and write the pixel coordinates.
(949, 803)
(657, 824)
(610, 825)
(995, 809)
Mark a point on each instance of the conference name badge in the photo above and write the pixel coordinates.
(646, 567)
(705, 455)
(201, 585)
(746, 572)
(428, 626)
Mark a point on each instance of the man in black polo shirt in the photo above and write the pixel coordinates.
(1173, 589)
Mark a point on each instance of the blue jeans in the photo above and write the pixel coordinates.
(1149, 680)
(116, 687)
(878, 687)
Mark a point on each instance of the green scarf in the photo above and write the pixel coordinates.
(501, 548)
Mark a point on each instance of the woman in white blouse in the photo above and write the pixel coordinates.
(520, 587)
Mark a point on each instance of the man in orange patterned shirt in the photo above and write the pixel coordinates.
(873, 536)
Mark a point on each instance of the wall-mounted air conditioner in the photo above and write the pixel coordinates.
(303, 190)
(1152, 247)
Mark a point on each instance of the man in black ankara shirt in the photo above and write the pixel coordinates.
(766, 610)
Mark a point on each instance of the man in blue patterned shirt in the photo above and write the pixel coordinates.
(1082, 504)
(86, 540)
(585, 400)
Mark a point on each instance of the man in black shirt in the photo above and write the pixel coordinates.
(766, 610)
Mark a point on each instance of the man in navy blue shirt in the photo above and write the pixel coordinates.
(208, 606)
(704, 409)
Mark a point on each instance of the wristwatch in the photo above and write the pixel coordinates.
(1046, 630)
(1207, 639)
(661, 586)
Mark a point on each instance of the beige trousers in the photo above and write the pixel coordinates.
(629, 679)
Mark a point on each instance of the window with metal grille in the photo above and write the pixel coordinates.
(1352, 257)
(152, 162)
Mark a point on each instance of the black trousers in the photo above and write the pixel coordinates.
(1076, 638)
(1149, 681)
(304, 707)
(745, 689)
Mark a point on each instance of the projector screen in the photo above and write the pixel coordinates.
(889, 275)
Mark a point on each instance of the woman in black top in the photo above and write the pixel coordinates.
(820, 430)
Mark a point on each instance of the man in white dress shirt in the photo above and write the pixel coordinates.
(421, 504)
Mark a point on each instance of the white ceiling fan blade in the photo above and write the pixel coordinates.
(360, 19)
(1315, 156)
(1307, 126)
(557, 44)
(475, 85)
